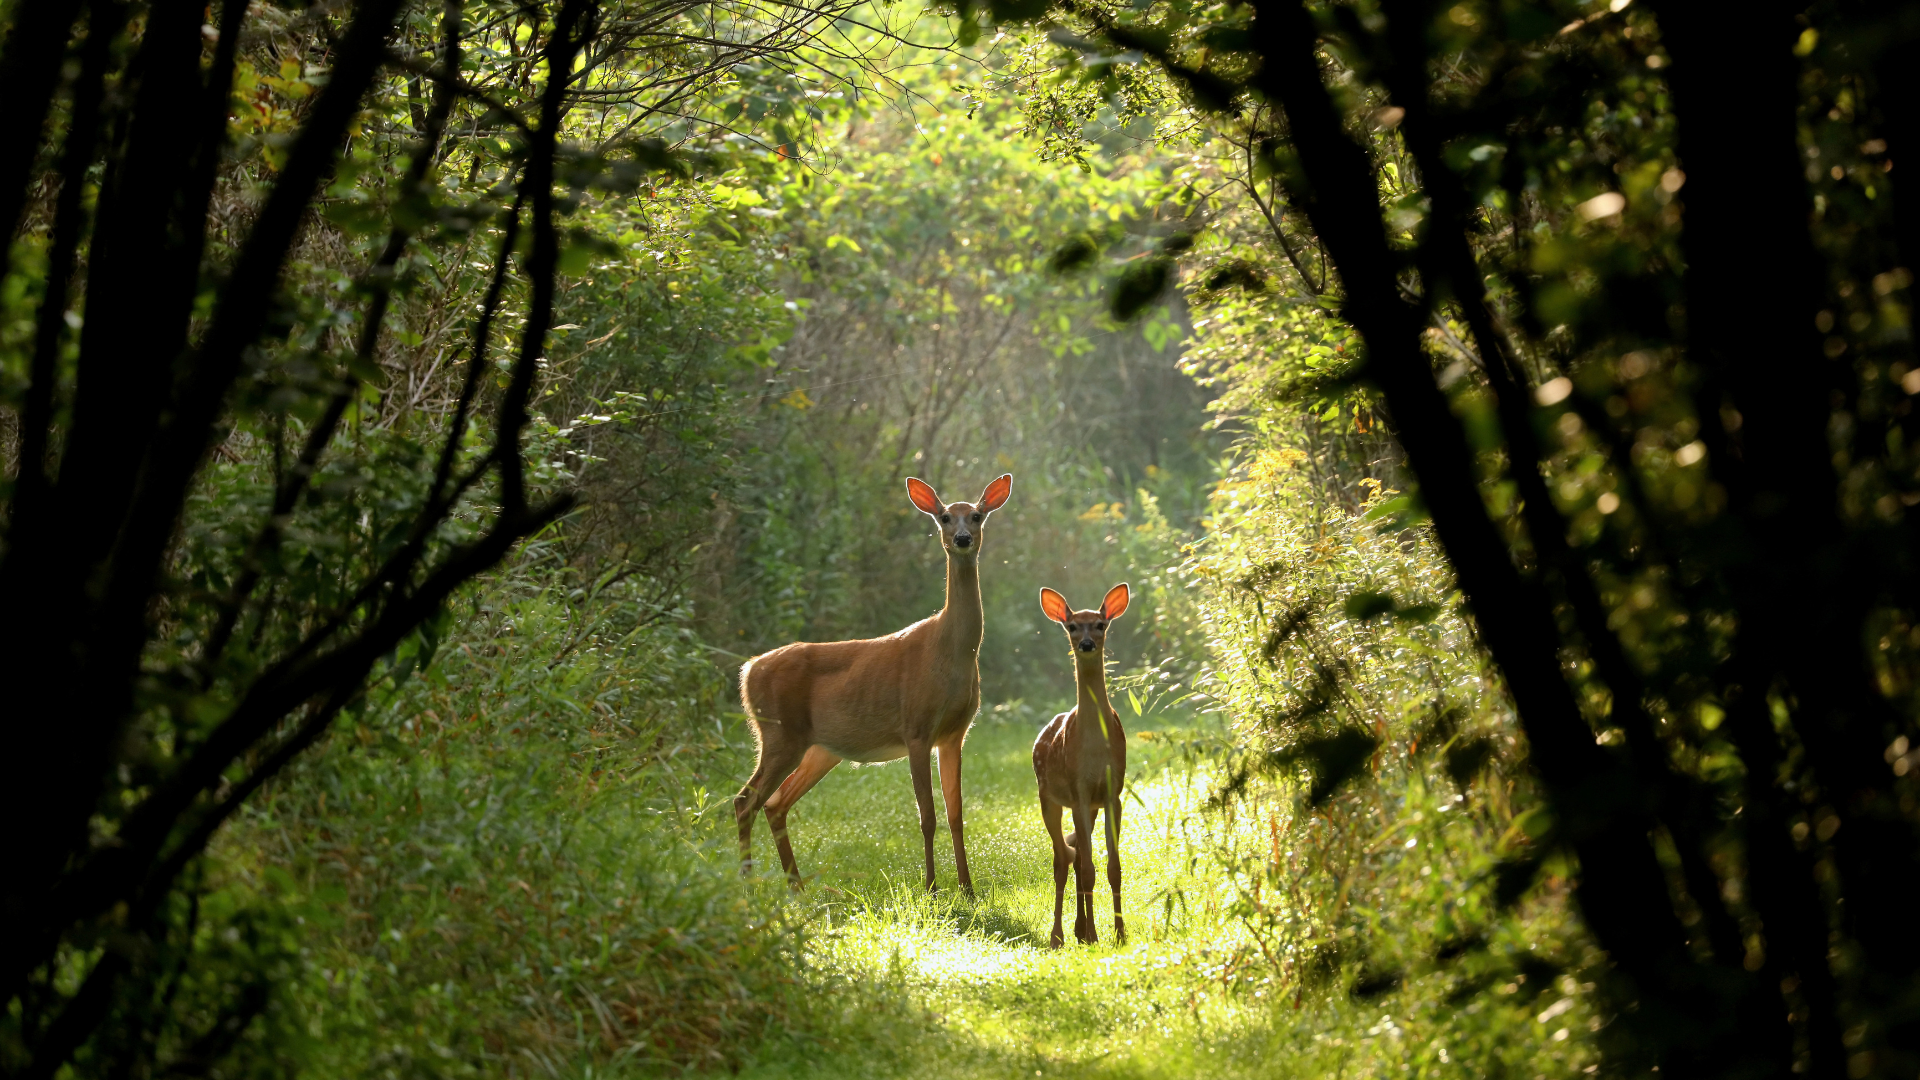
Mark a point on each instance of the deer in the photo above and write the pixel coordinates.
(1080, 760)
(911, 694)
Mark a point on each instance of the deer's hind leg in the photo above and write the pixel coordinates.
(817, 762)
(779, 753)
(1050, 812)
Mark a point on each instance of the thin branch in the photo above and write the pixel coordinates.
(105, 18)
(242, 308)
(29, 71)
(379, 281)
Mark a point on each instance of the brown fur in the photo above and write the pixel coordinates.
(909, 694)
(1080, 761)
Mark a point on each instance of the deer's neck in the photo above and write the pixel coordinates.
(1090, 675)
(962, 626)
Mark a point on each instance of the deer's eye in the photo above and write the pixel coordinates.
(1100, 626)
(946, 519)
(976, 518)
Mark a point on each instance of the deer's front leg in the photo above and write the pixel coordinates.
(1062, 855)
(920, 760)
(1113, 869)
(1082, 844)
(950, 787)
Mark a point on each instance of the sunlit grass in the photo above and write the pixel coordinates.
(939, 986)
(986, 995)
(482, 904)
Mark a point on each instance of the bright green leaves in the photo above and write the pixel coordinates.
(1003, 222)
(1162, 329)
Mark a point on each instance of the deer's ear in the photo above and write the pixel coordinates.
(923, 496)
(1054, 605)
(996, 494)
(1115, 604)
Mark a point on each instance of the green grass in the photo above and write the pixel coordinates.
(979, 992)
(939, 986)
(517, 870)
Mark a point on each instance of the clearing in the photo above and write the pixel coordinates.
(979, 993)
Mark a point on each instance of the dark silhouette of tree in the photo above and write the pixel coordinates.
(1676, 244)
(128, 759)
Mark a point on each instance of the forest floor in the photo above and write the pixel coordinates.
(940, 986)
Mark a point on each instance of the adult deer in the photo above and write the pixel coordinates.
(1080, 760)
(815, 704)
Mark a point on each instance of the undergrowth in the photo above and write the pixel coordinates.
(498, 866)
(520, 862)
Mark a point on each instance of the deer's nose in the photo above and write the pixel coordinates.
(963, 540)
(1086, 644)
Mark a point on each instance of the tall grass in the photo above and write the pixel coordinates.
(1192, 994)
(1382, 818)
(519, 863)
(501, 868)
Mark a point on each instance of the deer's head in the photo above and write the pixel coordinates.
(1087, 630)
(961, 524)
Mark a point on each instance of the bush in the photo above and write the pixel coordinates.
(1380, 831)
(499, 866)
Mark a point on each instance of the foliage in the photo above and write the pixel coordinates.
(500, 864)
(1629, 281)
(256, 437)
(1378, 750)
(1550, 614)
(932, 339)
(643, 401)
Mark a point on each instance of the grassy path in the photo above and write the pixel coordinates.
(978, 992)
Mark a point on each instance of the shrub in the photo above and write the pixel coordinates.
(1380, 834)
(498, 865)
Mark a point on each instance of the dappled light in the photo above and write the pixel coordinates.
(536, 539)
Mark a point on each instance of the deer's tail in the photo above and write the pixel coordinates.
(747, 687)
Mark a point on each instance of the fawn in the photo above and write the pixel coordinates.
(1080, 760)
(815, 704)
